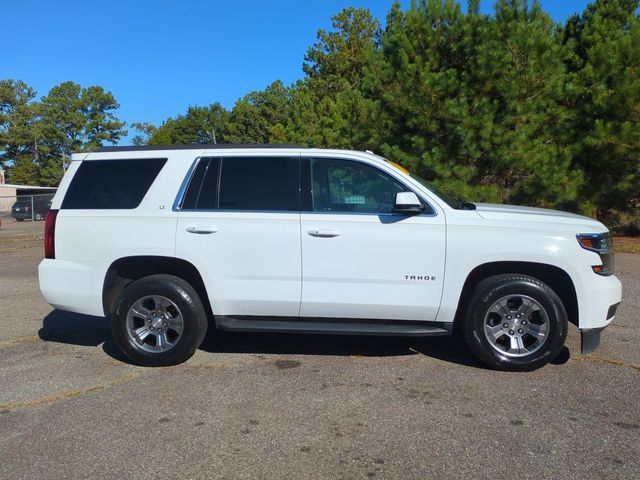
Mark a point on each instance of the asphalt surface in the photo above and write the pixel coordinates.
(284, 406)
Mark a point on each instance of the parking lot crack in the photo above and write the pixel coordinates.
(18, 340)
(597, 359)
(69, 393)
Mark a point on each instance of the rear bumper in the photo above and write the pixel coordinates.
(73, 286)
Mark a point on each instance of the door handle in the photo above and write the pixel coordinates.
(202, 230)
(323, 233)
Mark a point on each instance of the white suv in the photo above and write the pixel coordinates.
(277, 238)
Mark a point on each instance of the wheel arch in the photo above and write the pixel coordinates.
(126, 270)
(557, 278)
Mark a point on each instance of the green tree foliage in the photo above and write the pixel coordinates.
(73, 119)
(330, 109)
(260, 117)
(337, 60)
(198, 125)
(24, 171)
(35, 136)
(603, 79)
(144, 132)
(507, 107)
(475, 103)
(18, 143)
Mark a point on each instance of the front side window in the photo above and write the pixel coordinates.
(246, 183)
(350, 186)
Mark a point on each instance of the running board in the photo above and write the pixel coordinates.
(333, 326)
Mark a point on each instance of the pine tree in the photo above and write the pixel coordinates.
(604, 80)
(198, 125)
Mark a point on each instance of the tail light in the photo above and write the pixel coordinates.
(50, 235)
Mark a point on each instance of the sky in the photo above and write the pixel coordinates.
(160, 56)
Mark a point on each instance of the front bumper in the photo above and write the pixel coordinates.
(590, 340)
(596, 296)
(598, 300)
(590, 337)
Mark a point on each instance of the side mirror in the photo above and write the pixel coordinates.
(408, 203)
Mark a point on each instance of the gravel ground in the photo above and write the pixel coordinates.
(283, 406)
(12, 231)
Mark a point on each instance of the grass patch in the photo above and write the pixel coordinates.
(626, 245)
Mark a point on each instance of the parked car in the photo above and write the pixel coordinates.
(21, 210)
(283, 239)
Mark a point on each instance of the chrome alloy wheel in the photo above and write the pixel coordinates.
(154, 324)
(516, 325)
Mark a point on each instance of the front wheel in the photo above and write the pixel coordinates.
(158, 321)
(515, 322)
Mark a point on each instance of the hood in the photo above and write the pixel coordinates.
(531, 214)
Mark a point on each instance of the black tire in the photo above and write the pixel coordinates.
(19, 219)
(490, 291)
(184, 296)
(39, 217)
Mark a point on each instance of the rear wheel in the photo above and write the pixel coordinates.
(159, 320)
(515, 322)
(39, 216)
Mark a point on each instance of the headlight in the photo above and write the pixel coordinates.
(602, 244)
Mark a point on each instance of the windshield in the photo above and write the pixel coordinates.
(457, 203)
(452, 202)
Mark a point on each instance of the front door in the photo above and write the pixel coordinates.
(362, 260)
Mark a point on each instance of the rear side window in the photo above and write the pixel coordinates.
(251, 183)
(112, 184)
(202, 193)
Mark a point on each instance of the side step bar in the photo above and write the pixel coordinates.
(332, 326)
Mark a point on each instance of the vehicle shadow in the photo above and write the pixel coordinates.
(85, 330)
(449, 349)
(76, 329)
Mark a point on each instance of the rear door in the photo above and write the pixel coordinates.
(360, 259)
(239, 223)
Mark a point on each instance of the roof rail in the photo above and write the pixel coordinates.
(193, 146)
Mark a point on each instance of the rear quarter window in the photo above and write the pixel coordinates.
(111, 184)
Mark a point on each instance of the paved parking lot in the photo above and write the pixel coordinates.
(282, 406)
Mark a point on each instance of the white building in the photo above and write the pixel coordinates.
(9, 193)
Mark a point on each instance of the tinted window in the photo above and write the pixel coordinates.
(195, 183)
(348, 186)
(202, 193)
(111, 184)
(208, 198)
(259, 184)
